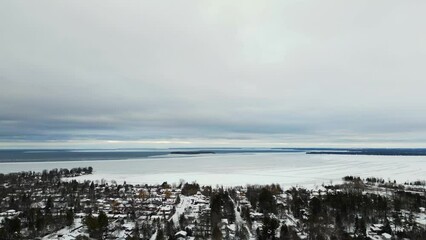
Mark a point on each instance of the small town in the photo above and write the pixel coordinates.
(212, 120)
(52, 205)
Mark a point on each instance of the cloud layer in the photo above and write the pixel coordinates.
(143, 73)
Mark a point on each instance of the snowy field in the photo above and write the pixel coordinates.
(287, 169)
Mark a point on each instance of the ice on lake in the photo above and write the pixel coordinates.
(288, 169)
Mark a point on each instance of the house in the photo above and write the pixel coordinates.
(181, 235)
(376, 228)
(386, 236)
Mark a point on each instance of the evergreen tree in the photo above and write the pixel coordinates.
(386, 227)
(102, 220)
(284, 234)
(160, 234)
(267, 203)
(69, 217)
(216, 234)
(13, 225)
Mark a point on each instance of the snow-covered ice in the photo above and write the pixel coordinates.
(288, 169)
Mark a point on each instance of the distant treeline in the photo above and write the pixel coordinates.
(192, 152)
(374, 151)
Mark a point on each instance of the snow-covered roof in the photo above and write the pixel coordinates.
(386, 235)
(181, 233)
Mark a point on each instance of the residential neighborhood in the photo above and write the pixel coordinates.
(51, 205)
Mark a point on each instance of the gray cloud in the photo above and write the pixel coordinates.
(201, 72)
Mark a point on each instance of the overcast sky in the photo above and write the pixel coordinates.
(212, 73)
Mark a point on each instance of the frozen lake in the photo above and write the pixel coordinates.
(288, 169)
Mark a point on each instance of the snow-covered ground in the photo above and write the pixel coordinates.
(288, 169)
(68, 233)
